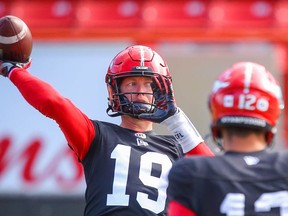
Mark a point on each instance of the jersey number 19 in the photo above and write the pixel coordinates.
(121, 154)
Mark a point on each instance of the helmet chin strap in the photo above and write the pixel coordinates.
(115, 114)
(136, 108)
(133, 109)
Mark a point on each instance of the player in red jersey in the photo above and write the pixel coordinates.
(125, 166)
(245, 104)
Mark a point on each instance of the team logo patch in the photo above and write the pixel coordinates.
(141, 142)
(140, 135)
(250, 160)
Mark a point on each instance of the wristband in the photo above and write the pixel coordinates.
(183, 130)
(9, 74)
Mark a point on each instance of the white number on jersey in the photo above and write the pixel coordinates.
(234, 203)
(121, 154)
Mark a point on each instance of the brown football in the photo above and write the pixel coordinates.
(15, 39)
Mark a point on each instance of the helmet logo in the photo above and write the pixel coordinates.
(263, 105)
(218, 85)
(228, 101)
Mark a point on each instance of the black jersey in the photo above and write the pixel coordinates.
(126, 172)
(235, 184)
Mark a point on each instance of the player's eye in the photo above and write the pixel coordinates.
(148, 84)
(131, 84)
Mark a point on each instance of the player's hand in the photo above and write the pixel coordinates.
(164, 99)
(7, 66)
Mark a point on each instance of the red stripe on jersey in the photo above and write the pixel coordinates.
(200, 149)
(177, 209)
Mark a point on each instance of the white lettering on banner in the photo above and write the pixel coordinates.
(22, 169)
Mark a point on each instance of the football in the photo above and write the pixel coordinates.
(15, 39)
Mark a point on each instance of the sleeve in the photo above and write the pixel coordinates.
(177, 209)
(200, 149)
(76, 126)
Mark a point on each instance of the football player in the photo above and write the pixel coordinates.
(248, 179)
(126, 165)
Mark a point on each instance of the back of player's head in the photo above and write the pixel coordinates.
(245, 95)
(137, 60)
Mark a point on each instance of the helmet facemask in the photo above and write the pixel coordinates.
(122, 102)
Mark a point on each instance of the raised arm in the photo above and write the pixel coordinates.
(76, 126)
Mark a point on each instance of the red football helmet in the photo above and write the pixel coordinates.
(246, 95)
(135, 60)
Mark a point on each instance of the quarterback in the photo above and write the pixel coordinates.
(126, 165)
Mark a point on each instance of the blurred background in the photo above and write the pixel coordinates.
(74, 42)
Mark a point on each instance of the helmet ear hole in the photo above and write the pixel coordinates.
(216, 132)
(110, 94)
(269, 137)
